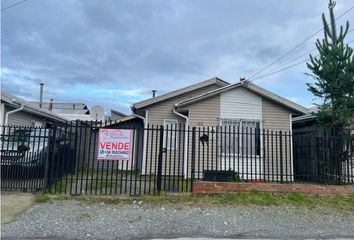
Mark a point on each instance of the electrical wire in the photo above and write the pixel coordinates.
(15, 4)
(295, 47)
(300, 56)
(290, 66)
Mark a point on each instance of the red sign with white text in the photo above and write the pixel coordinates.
(114, 144)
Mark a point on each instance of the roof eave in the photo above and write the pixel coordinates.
(175, 93)
(33, 110)
(257, 90)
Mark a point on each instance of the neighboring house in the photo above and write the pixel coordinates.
(214, 103)
(132, 121)
(315, 146)
(115, 115)
(16, 111)
(69, 111)
(306, 122)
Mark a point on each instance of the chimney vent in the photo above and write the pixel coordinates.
(153, 93)
(41, 85)
(242, 79)
(50, 108)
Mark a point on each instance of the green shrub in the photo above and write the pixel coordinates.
(42, 198)
(234, 176)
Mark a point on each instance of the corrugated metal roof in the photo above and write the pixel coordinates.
(71, 111)
(61, 105)
(124, 119)
(118, 113)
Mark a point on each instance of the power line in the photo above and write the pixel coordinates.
(282, 69)
(300, 56)
(17, 3)
(296, 47)
(292, 60)
(290, 66)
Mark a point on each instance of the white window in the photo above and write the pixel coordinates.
(240, 136)
(170, 134)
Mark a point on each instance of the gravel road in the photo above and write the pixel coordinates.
(79, 220)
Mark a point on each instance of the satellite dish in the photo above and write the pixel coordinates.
(97, 113)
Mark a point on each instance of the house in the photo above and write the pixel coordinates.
(216, 105)
(115, 115)
(317, 160)
(132, 121)
(19, 112)
(308, 121)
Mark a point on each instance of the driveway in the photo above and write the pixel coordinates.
(12, 204)
(80, 220)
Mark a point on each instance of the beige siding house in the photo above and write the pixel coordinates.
(215, 108)
(16, 111)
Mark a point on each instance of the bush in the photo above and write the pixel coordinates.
(234, 176)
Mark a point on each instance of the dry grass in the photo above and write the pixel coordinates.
(255, 198)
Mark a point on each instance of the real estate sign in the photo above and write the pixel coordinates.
(114, 144)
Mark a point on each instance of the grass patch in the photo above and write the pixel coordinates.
(59, 186)
(42, 198)
(296, 197)
(102, 185)
(232, 199)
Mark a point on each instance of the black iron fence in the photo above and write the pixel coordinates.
(64, 158)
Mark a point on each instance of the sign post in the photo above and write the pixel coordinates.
(114, 144)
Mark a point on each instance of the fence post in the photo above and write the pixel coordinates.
(281, 155)
(46, 180)
(193, 158)
(159, 164)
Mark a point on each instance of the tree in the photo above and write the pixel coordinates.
(333, 72)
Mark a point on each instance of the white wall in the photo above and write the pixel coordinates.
(240, 103)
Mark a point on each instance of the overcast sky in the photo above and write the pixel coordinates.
(113, 52)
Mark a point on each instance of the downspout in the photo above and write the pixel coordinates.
(13, 111)
(145, 141)
(2, 118)
(185, 160)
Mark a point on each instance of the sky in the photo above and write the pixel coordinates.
(114, 52)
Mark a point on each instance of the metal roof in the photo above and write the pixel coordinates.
(61, 105)
(71, 111)
(304, 118)
(124, 119)
(118, 113)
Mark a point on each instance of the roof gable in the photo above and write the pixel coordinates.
(250, 87)
(178, 92)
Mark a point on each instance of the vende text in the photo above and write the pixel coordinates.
(114, 145)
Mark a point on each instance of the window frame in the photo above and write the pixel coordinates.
(240, 122)
(167, 133)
